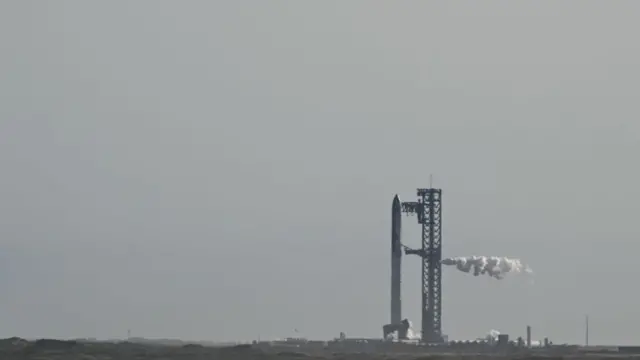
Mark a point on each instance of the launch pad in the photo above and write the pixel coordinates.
(428, 209)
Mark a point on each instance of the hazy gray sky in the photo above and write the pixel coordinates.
(225, 169)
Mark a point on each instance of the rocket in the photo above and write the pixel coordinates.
(396, 261)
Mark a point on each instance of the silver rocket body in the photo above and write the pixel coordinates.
(396, 263)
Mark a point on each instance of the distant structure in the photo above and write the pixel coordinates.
(396, 271)
(401, 327)
(428, 209)
(586, 330)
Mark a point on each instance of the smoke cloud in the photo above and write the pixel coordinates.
(412, 334)
(494, 266)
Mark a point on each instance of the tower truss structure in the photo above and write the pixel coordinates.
(428, 209)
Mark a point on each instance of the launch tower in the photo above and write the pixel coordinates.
(428, 209)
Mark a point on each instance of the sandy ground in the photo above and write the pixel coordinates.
(68, 350)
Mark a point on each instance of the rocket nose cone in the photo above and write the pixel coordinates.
(396, 201)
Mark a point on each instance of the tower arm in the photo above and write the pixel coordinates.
(411, 207)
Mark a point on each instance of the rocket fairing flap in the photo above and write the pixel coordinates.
(396, 227)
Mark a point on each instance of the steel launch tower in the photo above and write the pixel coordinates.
(428, 209)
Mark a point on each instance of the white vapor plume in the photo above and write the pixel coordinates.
(494, 266)
(411, 334)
